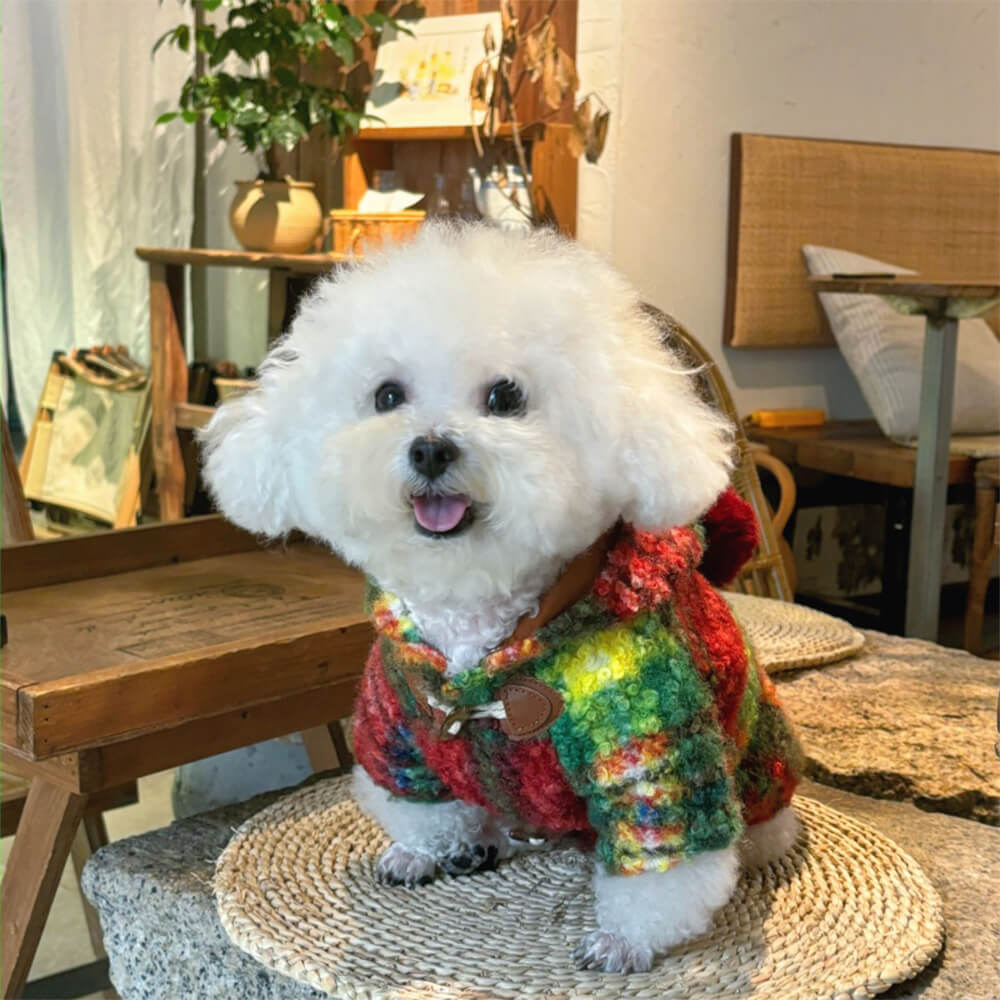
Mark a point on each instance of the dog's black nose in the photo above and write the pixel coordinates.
(430, 456)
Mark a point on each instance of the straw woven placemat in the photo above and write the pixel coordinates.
(787, 636)
(844, 914)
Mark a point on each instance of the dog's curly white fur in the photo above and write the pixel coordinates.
(612, 428)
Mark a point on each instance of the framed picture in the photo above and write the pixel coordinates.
(423, 80)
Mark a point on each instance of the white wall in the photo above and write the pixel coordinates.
(682, 75)
(236, 298)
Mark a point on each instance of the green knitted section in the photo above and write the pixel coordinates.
(639, 741)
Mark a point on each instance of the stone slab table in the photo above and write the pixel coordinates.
(154, 896)
(905, 719)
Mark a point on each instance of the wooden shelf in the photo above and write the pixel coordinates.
(377, 134)
(305, 263)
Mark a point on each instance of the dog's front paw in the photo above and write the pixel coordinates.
(398, 865)
(471, 858)
(607, 952)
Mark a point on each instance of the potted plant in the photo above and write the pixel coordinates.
(270, 104)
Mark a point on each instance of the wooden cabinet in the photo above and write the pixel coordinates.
(417, 154)
(416, 158)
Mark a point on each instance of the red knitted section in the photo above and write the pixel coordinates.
(378, 718)
(454, 762)
(716, 646)
(543, 798)
(731, 535)
(639, 570)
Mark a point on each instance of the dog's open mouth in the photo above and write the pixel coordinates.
(442, 515)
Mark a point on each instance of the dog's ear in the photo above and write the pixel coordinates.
(246, 449)
(676, 451)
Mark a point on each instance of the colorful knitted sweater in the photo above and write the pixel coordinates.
(671, 739)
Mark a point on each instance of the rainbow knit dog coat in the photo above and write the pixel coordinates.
(670, 739)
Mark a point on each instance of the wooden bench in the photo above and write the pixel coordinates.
(139, 650)
(853, 448)
(858, 450)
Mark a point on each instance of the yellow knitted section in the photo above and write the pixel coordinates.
(607, 657)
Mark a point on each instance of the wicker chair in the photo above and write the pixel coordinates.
(766, 574)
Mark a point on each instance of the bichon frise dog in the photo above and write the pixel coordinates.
(488, 425)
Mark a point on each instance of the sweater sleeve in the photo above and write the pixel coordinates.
(385, 744)
(640, 741)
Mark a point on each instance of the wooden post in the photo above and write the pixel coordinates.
(35, 864)
(277, 300)
(169, 374)
(554, 177)
(16, 520)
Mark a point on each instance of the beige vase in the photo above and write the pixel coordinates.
(276, 216)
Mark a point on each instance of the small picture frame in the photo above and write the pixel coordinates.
(423, 80)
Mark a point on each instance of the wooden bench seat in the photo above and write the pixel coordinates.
(854, 448)
(858, 450)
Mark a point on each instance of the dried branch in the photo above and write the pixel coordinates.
(551, 69)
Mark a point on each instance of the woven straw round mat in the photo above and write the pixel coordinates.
(844, 914)
(786, 636)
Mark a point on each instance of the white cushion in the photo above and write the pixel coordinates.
(884, 349)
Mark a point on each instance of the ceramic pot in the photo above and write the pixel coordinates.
(276, 216)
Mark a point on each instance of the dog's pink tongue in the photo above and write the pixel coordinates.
(439, 514)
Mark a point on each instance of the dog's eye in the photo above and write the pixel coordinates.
(505, 399)
(388, 396)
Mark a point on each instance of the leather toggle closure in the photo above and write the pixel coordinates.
(530, 708)
(525, 709)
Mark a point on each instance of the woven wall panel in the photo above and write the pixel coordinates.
(936, 211)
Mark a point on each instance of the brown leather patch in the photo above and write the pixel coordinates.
(531, 707)
(574, 583)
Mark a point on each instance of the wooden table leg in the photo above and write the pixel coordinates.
(285, 290)
(44, 836)
(930, 483)
(277, 302)
(91, 835)
(169, 374)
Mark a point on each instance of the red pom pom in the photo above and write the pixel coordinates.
(731, 535)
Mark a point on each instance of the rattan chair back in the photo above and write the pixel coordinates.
(764, 575)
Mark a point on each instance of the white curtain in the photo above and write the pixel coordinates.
(85, 175)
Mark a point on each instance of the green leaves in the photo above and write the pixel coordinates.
(286, 130)
(286, 77)
(354, 27)
(343, 49)
(277, 105)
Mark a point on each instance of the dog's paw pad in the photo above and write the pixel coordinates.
(479, 857)
(605, 952)
(398, 865)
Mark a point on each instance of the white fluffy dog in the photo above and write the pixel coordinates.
(462, 417)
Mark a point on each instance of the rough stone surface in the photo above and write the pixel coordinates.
(163, 938)
(154, 895)
(905, 720)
